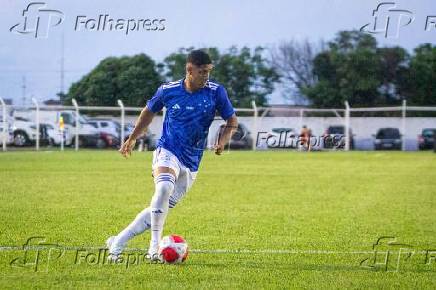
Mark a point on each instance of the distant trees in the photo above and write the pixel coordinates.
(130, 79)
(419, 81)
(353, 68)
(350, 67)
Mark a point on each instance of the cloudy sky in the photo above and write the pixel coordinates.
(197, 23)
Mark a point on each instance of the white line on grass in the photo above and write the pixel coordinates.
(200, 251)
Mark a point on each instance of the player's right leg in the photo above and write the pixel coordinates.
(141, 223)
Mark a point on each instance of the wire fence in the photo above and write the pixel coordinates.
(68, 125)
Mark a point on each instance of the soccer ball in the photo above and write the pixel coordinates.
(173, 249)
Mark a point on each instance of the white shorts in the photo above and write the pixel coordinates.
(184, 177)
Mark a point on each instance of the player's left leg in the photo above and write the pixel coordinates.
(165, 179)
(152, 217)
(143, 221)
(184, 181)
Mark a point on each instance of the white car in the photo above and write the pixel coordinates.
(8, 134)
(25, 129)
(107, 126)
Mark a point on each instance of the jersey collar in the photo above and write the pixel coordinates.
(185, 91)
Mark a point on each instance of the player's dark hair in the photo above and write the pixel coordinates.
(198, 57)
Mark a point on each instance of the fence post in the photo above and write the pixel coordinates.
(76, 106)
(120, 103)
(347, 126)
(254, 145)
(35, 103)
(301, 119)
(5, 125)
(403, 125)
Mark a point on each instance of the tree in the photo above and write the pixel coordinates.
(245, 73)
(420, 82)
(348, 70)
(394, 69)
(294, 63)
(131, 79)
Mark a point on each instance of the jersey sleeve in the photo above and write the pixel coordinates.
(156, 103)
(224, 106)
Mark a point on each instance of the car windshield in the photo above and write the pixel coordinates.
(428, 132)
(82, 120)
(336, 130)
(388, 134)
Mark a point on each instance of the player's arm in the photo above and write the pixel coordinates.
(229, 129)
(142, 124)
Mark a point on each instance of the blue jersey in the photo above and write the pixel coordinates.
(188, 118)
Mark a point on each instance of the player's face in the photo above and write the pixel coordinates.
(199, 74)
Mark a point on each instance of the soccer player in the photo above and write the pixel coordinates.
(305, 136)
(190, 105)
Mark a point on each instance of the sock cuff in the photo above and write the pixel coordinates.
(165, 177)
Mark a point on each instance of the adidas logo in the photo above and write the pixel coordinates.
(176, 106)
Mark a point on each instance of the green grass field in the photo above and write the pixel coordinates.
(256, 220)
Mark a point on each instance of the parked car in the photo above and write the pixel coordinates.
(147, 139)
(24, 132)
(426, 139)
(334, 137)
(387, 139)
(8, 134)
(24, 128)
(109, 132)
(241, 139)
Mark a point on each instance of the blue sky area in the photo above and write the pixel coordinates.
(187, 23)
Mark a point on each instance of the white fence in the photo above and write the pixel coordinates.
(362, 127)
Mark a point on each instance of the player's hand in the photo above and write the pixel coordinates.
(218, 148)
(127, 147)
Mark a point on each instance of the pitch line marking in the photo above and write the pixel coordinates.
(199, 251)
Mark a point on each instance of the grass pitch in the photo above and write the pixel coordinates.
(256, 220)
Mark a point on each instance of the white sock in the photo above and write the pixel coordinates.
(140, 224)
(164, 184)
